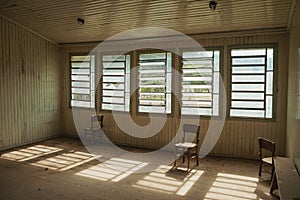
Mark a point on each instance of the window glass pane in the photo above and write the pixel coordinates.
(248, 78)
(115, 107)
(80, 91)
(270, 59)
(269, 107)
(216, 60)
(196, 111)
(248, 70)
(248, 87)
(196, 96)
(113, 58)
(247, 113)
(248, 61)
(113, 79)
(197, 54)
(113, 65)
(80, 58)
(269, 82)
(247, 104)
(216, 104)
(152, 109)
(248, 52)
(245, 96)
(80, 65)
(92, 81)
(80, 78)
(152, 56)
(113, 86)
(197, 63)
(83, 104)
(127, 102)
(113, 100)
(113, 72)
(115, 93)
(81, 97)
(80, 84)
(80, 71)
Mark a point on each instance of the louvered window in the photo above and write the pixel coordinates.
(116, 82)
(252, 88)
(83, 81)
(155, 82)
(200, 82)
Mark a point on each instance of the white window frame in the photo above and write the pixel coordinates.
(203, 66)
(115, 90)
(252, 92)
(82, 80)
(163, 74)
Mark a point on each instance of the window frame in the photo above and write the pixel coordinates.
(101, 81)
(136, 61)
(275, 81)
(221, 77)
(70, 78)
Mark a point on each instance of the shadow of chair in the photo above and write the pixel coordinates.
(186, 148)
(94, 129)
(269, 146)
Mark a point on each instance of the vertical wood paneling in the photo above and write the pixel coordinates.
(293, 113)
(30, 100)
(238, 138)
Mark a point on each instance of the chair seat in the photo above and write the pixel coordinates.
(267, 160)
(186, 145)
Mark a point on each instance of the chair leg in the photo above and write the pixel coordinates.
(175, 157)
(183, 158)
(197, 160)
(260, 168)
(274, 184)
(273, 171)
(189, 159)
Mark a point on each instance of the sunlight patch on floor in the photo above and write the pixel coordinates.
(232, 187)
(171, 181)
(65, 161)
(29, 153)
(114, 169)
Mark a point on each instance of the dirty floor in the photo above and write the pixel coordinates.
(63, 169)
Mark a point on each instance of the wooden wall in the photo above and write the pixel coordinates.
(238, 138)
(29, 86)
(293, 113)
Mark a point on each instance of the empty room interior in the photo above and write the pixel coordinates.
(115, 99)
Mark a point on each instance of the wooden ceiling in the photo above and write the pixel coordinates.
(57, 19)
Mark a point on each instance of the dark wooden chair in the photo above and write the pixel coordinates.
(93, 130)
(186, 148)
(266, 145)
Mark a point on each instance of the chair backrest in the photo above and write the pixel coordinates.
(267, 145)
(97, 118)
(191, 129)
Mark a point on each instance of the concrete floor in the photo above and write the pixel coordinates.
(63, 169)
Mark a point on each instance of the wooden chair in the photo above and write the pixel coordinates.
(93, 129)
(266, 145)
(188, 149)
